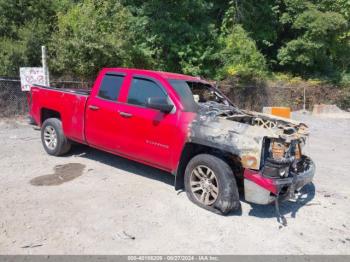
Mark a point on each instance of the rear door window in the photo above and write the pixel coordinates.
(141, 89)
(110, 87)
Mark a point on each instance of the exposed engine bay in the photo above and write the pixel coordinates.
(286, 129)
(283, 151)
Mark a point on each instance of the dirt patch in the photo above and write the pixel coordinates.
(62, 174)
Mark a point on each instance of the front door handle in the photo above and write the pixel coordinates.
(92, 107)
(124, 114)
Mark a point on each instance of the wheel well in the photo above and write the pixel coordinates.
(49, 113)
(191, 149)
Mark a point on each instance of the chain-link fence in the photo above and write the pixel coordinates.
(13, 101)
(72, 84)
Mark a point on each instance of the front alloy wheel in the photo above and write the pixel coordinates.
(211, 184)
(204, 185)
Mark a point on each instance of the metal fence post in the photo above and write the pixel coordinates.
(45, 67)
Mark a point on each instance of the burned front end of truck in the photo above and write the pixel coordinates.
(270, 149)
(265, 152)
(284, 169)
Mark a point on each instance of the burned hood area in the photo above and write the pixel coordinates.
(253, 137)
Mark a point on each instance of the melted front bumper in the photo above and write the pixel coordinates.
(261, 188)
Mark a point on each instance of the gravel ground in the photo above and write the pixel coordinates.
(91, 202)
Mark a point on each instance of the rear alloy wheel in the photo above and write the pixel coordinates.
(50, 137)
(211, 184)
(54, 141)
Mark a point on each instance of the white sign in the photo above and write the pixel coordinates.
(31, 76)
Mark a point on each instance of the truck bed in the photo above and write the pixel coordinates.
(69, 90)
(69, 102)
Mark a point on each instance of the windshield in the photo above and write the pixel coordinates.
(192, 93)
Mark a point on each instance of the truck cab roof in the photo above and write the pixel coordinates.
(166, 75)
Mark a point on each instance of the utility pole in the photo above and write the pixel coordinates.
(304, 106)
(44, 63)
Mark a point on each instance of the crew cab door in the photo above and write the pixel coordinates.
(148, 134)
(102, 127)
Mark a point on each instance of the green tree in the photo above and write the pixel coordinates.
(182, 33)
(25, 50)
(259, 18)
(318, 43)
(95, 34)
(240, 55)
(16, 13)
(198, 37)
(11, 57)
(25, 25)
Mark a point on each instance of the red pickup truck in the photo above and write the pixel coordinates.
(181, 124)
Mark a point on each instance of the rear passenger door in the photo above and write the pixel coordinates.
(148, 133)
(102, 127)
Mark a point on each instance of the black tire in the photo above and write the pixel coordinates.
(227, 199)
(62, 145)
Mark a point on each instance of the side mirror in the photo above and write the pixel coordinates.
(160, 103)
